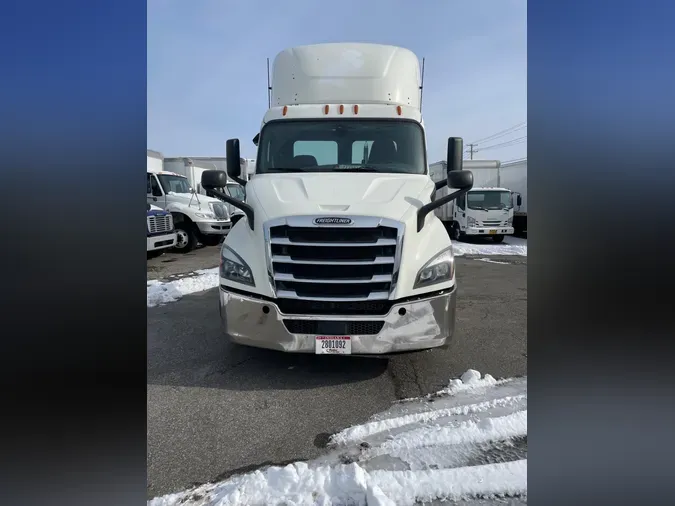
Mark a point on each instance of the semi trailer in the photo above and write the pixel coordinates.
(339, 250)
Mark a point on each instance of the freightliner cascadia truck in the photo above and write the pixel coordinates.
(339, 251)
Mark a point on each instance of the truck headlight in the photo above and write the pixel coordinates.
(208, 216)
(470, 221)
(437, 270)
(510, 221)
(233, 267)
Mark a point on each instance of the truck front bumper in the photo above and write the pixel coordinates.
(156, 242)
(488, 230)
(410, 325)
(214, 227)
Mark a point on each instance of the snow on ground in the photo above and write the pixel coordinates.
(510, 246)
(161, 292)
(467, 442)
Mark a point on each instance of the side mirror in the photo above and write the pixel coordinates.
(256, 139)
(460, 179)
(213, 179)
(233, 158)
(519, 201)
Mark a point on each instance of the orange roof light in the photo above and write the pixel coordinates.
(342, 109)
(285, 110)
(399, 109)
(356, 109)
(326, 109)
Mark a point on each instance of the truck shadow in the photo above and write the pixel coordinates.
(186, 349)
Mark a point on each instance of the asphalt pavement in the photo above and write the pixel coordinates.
(216, 409)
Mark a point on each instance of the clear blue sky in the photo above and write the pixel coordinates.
(207, 75)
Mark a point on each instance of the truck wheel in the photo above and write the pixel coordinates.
(210, 240)
(497, 238)
(186, 237)
(455, 232)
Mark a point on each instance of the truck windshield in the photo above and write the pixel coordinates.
(176, 184)
(236, 192)
(488, 200)
(342, 146)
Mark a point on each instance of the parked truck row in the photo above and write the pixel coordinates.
(198, 215)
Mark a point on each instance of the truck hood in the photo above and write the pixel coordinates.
(385, 195)
(197, 203)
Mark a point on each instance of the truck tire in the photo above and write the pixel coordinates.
(186, 239)
(455, 232)
(497, 238)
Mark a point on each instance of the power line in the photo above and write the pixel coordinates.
(509, 130)
(515, 160)
(512, 142)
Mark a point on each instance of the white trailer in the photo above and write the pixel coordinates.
(339, 252)
(514, 177)
(486, 210)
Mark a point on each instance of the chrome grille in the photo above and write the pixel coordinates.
(219, 210)
(160, 224)
(334, 263)
(492, 223)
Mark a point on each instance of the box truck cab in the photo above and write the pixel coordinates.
(197, 218)
(485, 210)
(339, 250)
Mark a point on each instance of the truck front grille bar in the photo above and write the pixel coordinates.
(334, 263)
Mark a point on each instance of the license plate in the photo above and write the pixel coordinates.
(333, 345)
(492, 232)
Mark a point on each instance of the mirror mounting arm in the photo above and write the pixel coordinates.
(239, 180)
(248, 210)
(426, 209)
(441, 184)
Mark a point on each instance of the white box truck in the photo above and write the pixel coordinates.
(339, 254)
(486, 210)
(514, 177)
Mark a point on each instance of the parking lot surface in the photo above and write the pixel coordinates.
(215, 409)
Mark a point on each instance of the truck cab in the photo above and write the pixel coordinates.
(483, 212)
(197, 218)
(339, 251)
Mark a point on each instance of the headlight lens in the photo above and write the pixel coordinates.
(470, 221)
(233, 267)
(510, 221)
(437, 270)
(208, 216)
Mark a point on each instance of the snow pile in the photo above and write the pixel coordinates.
(162, 292)
(467, 441)
(511, 246)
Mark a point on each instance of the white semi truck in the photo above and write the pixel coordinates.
(339, 253)
(197, 218)
(514, 177)
(193, 168)
(486, 210)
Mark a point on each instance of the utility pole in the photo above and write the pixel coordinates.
(471, 150)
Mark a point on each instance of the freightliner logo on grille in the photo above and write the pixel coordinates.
(333, 221)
